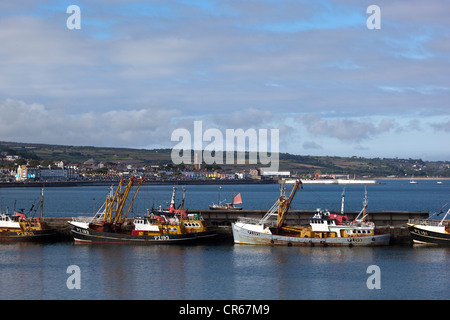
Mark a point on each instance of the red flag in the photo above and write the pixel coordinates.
(237, 199)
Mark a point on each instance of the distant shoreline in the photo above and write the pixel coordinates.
(44, 184)
(415, 178)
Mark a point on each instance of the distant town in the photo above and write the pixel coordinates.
(91, 170)
(48, 163)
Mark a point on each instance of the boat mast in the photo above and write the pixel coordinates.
(365, 203)
(42, 203)
(109, 203)
(123, 199)
(443, 219)
(182, 204)
(172, 201)
(132, 200)
(284, 205)
(364, 209)
(343, 199)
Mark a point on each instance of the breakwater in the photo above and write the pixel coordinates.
(393, 222)
(106, 182)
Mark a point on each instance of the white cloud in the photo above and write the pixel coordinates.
(238, 64)
(345, 129)
(442, 126)
(311, 145)
(21, 122)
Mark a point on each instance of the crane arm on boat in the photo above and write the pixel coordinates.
(285, 204)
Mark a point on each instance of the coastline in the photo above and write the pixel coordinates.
(45, 184)
(416, 178)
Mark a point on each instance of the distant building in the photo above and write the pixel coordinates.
(53, 174)
(11, 158)
(90, 164)
(26, 173)
(255, 173)
(49, 173)
(266, 173)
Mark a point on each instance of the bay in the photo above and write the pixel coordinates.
(427, 195)
(226, 272)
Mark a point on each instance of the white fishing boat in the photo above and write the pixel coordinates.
(430, 231)
(325, 228)
(19, 227)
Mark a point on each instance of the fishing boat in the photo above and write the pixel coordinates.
(110, 224)
(325, 228)
(237, 199)
(172, 209)
(19, 227)
(430, 231)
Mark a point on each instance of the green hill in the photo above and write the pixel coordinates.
(373, 167)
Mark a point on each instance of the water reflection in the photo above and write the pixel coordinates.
(304, 272)
(30, 271)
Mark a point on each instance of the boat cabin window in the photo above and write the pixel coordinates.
(191, 224)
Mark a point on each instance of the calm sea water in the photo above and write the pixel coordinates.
(40, 271)
(392, 195)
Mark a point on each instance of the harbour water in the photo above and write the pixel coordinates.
(226, 272)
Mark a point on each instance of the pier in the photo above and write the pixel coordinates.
(393, 222)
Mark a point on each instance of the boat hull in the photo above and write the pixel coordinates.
(28, 236)
(223, 208)
(245, 236)
(92, 236)
(420, 235)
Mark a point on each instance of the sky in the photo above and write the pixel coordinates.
(138, 70)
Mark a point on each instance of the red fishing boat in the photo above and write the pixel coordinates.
(110, 224)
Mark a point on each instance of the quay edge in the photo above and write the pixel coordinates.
(393, 222)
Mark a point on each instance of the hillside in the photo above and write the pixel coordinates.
(301, 165)
(79, 154)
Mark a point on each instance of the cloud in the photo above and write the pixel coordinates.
(424, 90)
(311, 145)
(344, 129)
(236, 64)
(246, 118)
(37, 123)
(442, 126)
